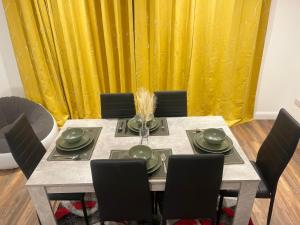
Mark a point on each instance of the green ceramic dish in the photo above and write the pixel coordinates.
(140, 152)
(159, 163)
(153, 161)
(214, 136)
(154, 165)
(72, 135)
(137, 130)
(227, 143)
(211, 151)
(225, 151)
(202, 142)
(134, 125)
(61, 143)
(150, 163)
(64, 144)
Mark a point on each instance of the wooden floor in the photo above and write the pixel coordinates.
(16, 207)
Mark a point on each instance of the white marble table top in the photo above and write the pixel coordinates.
(68, 173)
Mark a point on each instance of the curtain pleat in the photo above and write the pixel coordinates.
(68, 52)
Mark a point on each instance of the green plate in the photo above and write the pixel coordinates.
(227, 143)
(153, 166)
(76, 148)
(150, 171)
(134, 125)
(211, 151)
(137, 130)
(153, 161)
(61, 142)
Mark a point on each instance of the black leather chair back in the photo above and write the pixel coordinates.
(117, 105)
(171, 103)
(122, 189)
(278, 148)
(192, 186)
(24, 145)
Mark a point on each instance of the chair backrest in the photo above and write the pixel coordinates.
(122, 189)
(192, 186)
(25, 146)
(171, 103)
(119, 105)
(278, 148)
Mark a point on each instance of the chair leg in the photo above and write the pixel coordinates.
(270, 209)
(219, 209)
(84, 211)
(213, 222)
(154, 203)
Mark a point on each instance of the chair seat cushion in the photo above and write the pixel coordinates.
(40, 119)
(12, 107)
(66, 196)
(262, 192)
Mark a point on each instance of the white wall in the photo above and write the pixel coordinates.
(4, 85)
(10, 83)
(279, 82)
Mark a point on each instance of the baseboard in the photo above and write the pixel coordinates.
(265, 115)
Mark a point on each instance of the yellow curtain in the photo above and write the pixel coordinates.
(68, 52)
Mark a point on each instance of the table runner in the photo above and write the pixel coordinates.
(159, 174)
(232, 158)
(163, 129)
(84, 154)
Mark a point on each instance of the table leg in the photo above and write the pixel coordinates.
(245, 203)
(42, 205)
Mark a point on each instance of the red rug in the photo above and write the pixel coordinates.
(226, 219)
(71, 213)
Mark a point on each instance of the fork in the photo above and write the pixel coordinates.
(162, 125)
(163, 158)
(120, 127)
(197, 131)
(75, 157)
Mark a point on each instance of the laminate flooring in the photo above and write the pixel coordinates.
(16, 207)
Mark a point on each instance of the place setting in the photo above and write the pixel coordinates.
(214, 141)
(76, 143)
(145, 104)
(156, 159)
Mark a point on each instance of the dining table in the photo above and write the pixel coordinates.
(73, 176)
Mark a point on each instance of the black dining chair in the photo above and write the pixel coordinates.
(273, 157)
(122, 189)
(119, 105)
(192, 187)
(28, 151)
(171, 103)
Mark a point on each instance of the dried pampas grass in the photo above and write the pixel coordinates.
(145, 104)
